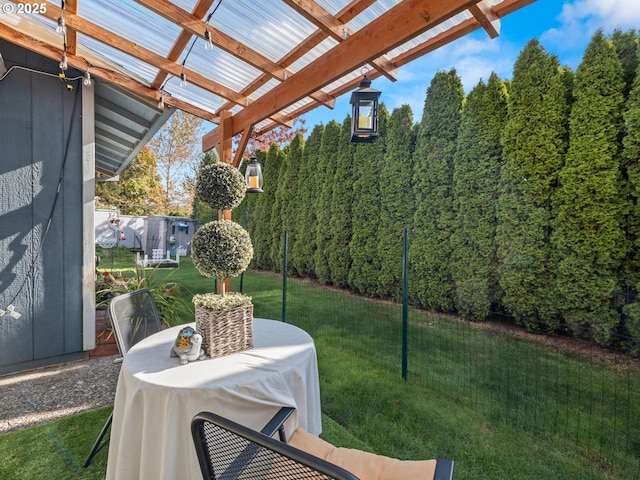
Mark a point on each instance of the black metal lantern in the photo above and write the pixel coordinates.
(253, 176)
(364, 117)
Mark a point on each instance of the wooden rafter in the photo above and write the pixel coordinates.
(338, 30)
(122, 44)
(182, 41)
(196, 26)
(71, 6)
(454, 33)
(406, 20)
(487, 18)
(254, 104)
(101, 70)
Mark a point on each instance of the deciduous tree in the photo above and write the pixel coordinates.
(176, 147)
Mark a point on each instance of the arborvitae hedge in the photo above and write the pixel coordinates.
(397, 201)
(535, 141)
(289, 196)
(430, 252)
(474, 265)
(278, 210)
(262, 236)
(322, 205)
(363, 276)
(339, 256)
(631, 171)
(303, 246)
(544, 226)
(589, 233)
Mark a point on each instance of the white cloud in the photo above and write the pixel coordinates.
(579, 19)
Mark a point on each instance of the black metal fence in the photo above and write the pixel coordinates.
(548, 384)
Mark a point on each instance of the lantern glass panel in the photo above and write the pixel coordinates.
(365, 114)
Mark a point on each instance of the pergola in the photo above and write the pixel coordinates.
(247, 66)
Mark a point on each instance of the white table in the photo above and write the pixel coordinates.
(156, 397)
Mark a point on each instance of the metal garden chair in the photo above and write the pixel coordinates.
(227, 450)
(133, 316)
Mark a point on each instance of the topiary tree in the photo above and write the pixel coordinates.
(220, 248)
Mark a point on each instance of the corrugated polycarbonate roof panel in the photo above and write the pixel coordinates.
(269, 28)
(220, 66)
(248, 64)
(130, 20)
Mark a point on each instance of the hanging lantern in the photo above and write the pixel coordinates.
(364, 115)
(253, 176)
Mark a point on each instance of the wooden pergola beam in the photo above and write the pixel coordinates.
(487, 18)
(100, 70)
(398, 25)
(182, 41)
(122, 44)
(197, 26)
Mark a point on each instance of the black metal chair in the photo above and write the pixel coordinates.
(133, 316)
(227, 450)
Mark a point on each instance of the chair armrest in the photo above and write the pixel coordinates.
(444, 469)
(276, 424)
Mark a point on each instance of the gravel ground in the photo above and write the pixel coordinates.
(45, 394)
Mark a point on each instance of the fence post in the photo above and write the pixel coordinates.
(284, 277)
(405, 301)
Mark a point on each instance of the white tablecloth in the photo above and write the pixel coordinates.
(156, 398)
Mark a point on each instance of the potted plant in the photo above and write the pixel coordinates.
(222, 249)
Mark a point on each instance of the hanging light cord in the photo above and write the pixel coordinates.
(191, 46)
(27, 69)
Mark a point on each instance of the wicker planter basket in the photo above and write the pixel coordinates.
(225, 331)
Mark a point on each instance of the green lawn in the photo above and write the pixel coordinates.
(483, 411)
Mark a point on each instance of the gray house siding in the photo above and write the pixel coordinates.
(40, 135)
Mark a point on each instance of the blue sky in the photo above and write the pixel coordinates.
(563, 27)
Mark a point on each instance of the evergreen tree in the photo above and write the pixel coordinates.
(322, 205)
(365, 263)
(589, 206)
(304, 244)
(535, 141)
(631, 162)
(339, 257)
(262, 214)
(476, 172)
(290, 198)
(278, 209)
(430, 250)
(397, 205)
(626, 45)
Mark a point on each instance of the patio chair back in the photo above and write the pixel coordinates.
(228, 450)
(134, 316)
